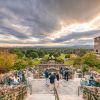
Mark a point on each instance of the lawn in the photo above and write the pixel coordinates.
(69, 62)
(36, 61)
(62, 56)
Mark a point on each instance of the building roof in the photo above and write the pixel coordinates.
(97, 37)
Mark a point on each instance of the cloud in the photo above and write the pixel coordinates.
(78, 35)
(44, 22)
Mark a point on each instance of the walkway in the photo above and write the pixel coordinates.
(69, 90)
(66, 90)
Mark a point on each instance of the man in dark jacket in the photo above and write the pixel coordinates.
(66, 75)
(52, 80)
(57, 77)
(46, 73)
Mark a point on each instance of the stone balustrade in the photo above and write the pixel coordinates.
(90, 93)
(13, 93)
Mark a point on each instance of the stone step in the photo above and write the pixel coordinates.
(69, 97)
(66, 90)
(41, 97)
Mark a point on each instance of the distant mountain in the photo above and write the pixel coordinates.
(74, 46)
(82, 46)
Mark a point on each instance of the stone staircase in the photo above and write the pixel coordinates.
(66, 90)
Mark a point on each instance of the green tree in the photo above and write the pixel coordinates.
(60, 58)
(41, 53)
(19, 53)
(20, 64)
(77, 62)
(56, 54)
(46, 57)
(51, 54)
(84, 69)
(31, 54)
(67, 56)
(89, 59)
(97, 63)
(30, 62)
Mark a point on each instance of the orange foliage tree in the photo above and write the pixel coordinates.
(7, 59)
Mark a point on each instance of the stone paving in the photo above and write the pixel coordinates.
(67, 90)
(39, 87)
(41, 97)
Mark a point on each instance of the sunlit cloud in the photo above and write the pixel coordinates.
(78, 27)
(49, 23)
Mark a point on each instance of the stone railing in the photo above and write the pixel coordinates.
(90, 93)
(16, 93)
(56, 93)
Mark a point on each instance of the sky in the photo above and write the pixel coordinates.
(49, 22)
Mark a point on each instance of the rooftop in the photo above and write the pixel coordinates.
(97, 37)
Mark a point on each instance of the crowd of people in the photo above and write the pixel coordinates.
(26, 77)
(14, 79)
(53, 77)
(90, 81)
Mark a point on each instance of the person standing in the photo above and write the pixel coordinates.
(46, 73)
(66, 75)
(20, 72)
(15, 80)
(57, 77)
(24, 79)
(61, 72)
(52, 81)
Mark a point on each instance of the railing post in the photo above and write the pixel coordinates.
(56, 93)
(78, 91)
(90, 95)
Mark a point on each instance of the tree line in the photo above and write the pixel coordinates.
(19, 58)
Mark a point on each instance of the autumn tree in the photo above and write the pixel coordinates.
(7, 59)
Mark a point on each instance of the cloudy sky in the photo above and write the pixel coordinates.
(49, 22)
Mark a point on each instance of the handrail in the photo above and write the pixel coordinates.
(15, 95)
(89, 95)
(56, 93)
